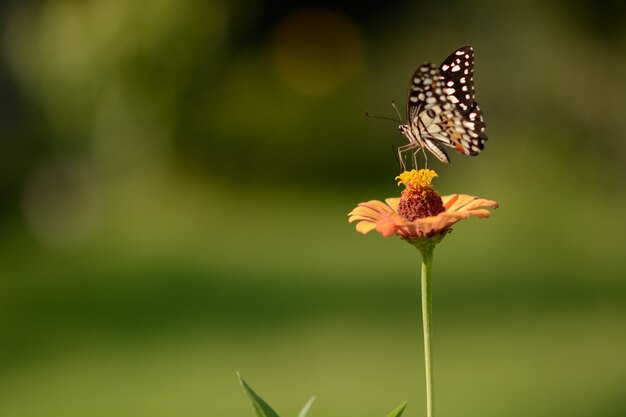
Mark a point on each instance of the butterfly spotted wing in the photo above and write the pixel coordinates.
(457, 71)
(441, 107)
(429, 111)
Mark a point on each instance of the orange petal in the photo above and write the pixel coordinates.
(460, 202)
(480, 213)
(481, 202)
(409, 230)
(365, 227)
(373, 210)
(455, 216)
(364, 213)
(386, 228)
(393, 203)
(448, 200)
(445, 220)
(376, 205)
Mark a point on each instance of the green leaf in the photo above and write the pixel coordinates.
(306, 407)
(398, 411)
(261, 408)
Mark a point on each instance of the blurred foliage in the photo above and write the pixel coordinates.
(174, 183)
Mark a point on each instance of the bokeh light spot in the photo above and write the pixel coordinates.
(61, 204)
(316, 50)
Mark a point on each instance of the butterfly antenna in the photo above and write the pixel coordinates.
(382, 117)
(393, 103)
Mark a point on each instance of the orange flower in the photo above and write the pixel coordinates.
(427, 217)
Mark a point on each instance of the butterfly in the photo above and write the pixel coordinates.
(442, 111)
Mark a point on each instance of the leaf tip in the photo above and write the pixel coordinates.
(399, 410)
(306, 407)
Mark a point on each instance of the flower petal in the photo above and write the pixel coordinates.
(363, 213)
(365, 227)
(377, 215)
(384, 218)
(372, 210)
(444, 220)
(448, 200)
(386, 228)
(480, 213)
(393, 203)
(481, 202)
(376, 205)
(461, 201)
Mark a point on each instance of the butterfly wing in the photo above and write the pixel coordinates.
(474, 124)
(457, 72)
(436, 120)
(425, 104)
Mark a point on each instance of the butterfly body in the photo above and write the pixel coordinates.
(441, 109)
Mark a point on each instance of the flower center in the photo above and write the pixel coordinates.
(419, 199)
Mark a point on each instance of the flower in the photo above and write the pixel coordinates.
(419, 213)
(419, 199)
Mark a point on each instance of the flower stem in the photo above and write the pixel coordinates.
(427, 264)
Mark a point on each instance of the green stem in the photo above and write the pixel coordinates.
(427, 264)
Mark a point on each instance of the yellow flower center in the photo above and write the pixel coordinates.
(419, 199)
(416, 179)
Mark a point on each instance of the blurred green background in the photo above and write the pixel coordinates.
(174, 183)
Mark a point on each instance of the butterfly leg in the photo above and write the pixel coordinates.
(425, 129)
(425, 158)
(402, 150)
(415, 152)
